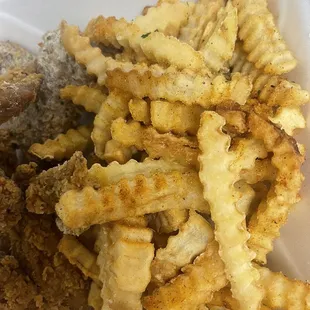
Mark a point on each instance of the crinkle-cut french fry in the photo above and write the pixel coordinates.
(223, 298)
(219, 171)
(181, 249)
(177, 86)
(91, 57)
(284, 293)
(64, 145)
(246, 196)
(289, 119)
(121, 33)
(139, 196)
(114, 172)
(167, 18)
(170, 220)
(46, 188)
(268, 52)
(124, 260)
(203, 12)
(272, 213)
(235, 121)
(263, 170)
(88, 97)
(270, 89)
(115, 151)
(194, 287)
(166, 146)
(116, 105)
(94, 296)
(140, 110)
(80, 256)
(218, 41)
(175, 117)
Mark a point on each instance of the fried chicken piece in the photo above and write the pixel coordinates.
(34, 245)
(17, 291)
(8, 158)
(50, 116)
(10, 203)
(12, 56)
(24, 174)
(45, 189)
(17, 90)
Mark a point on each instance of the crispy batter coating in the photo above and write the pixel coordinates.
(45, 189)
(17, 90)
(8, 158)
(11, 204)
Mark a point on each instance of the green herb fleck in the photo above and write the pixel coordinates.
(145, 35)
(258, 92)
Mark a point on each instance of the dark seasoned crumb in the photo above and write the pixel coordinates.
(34, 245)
(12, 56)
(45, 190)
(17, 90)
(11, 204)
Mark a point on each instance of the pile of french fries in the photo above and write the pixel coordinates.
(197, 165)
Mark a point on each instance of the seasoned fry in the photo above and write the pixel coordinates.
(88, 97)
(140, 111)
(289, 119)
(166, 146)
(194, 287)
(283, 293)
(45, 189)
(167, 18)
(175, 86)
(218, 41)
(175, 117)
(139, 196)
(124, 259)
(181, 249)
(269, 51)
(115, 151)
(17, 90)
(170, 220)
(80, 256)
(217, 163)
(235, 121)
(64, 145)
(203, 13)
(116, 105)
(273, 211)
(94, 298)
(120, 33)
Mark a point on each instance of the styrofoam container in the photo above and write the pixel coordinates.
(24, 22)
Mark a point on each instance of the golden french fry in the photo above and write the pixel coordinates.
(120, 33)
(115, 151)
(235, 121)
(273, 211)
(170, 220)
(124, 259)
(177, 86)
(140, 111)
(64, 145)
(166, 146)
(218, 41)
(167, 18)
(284, 293)
(80, 256)
(203, 12)
(46, 188)
(219, 171)
(88, 97)
(194, 287)
(181, 249)
(116, 105)
(246, 194)
(139, 196)
(271, 89)
(175, 117)
(94, 299)
(269, 51)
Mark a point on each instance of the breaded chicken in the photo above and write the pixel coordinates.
(59, 284)
(45, 189)
(8, 158)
